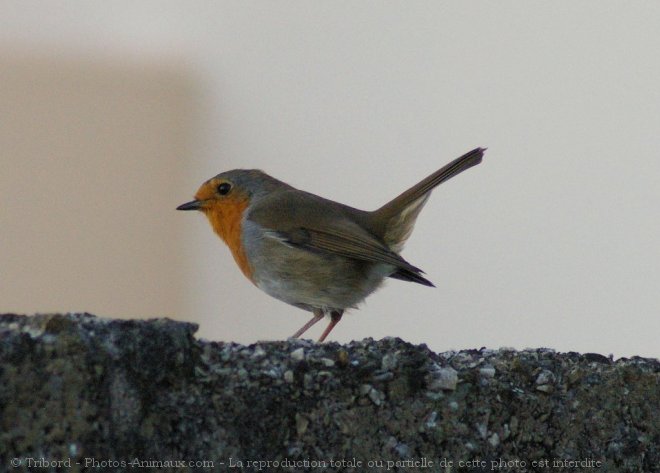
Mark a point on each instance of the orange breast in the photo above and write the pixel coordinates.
(225, 218)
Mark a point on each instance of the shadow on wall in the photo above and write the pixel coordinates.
(91, 153)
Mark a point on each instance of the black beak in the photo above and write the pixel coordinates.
(192, 205)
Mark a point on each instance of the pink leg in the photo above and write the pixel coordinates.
(318, 315)
(335, 317)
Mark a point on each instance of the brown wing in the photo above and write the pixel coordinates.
(311, 223)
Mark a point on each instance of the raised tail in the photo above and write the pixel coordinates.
(397, 217)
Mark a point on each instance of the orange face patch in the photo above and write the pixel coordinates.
(225, 213)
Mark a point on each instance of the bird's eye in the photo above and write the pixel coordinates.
(224, 188)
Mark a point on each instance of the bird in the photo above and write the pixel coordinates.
(311, 252)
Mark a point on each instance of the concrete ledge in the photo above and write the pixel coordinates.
(81, 393)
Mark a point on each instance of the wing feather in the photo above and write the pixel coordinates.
(293, 218)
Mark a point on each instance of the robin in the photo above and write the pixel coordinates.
(310, 252)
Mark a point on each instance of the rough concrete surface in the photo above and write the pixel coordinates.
(81, 393)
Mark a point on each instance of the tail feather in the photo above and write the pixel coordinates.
(420, 189)
(398, 216)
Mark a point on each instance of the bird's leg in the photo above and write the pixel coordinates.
(318, 315)
(335, 317)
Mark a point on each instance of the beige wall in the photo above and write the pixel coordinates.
(113, 113)
(89, 152)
